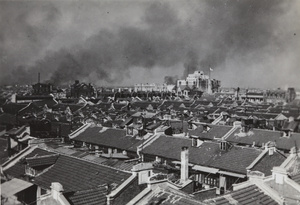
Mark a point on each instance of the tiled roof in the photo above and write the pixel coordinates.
(103, 105)
(7, 118)
(145, 105)
(175, 104)
(215, 131)
(49, 102)
(236, 159)
(170, 197)
(13, 108)
(205, 103)
(263, 136)
(296, 178)
(208, 154)
(63, 107)
(18, 170)
(41, 160)
(119, 164)
(96, 196)
(119, 106)
(17, 131)
(179, 124)
(266, 164)
(174, 144)
(77, 174)
(292, 126)
(248, 195)
(31, 108)
(108, 137)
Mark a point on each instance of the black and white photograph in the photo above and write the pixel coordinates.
(149, 102)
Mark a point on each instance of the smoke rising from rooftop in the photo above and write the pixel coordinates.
(247, 43)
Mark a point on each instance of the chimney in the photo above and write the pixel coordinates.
(279, 174)
(271, 147)
(110, 152)
(56, 190)
(184, 172)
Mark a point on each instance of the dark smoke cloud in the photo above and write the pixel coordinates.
(247, 43)
(171, 80)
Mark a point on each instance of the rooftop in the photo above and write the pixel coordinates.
(109, 137)
(248, 195)
(260, 137)
(77, 174)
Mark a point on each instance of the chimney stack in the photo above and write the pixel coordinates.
(184, 172)
(39, 77)
(56, 190)
(279, 175)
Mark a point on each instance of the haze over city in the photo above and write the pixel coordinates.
(246, 43)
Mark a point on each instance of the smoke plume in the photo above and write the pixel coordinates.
(247, 43)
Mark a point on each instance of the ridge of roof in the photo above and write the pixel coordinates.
(84, 159)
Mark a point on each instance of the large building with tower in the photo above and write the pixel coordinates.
(199, 81)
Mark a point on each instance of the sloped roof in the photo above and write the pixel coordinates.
(13, 108)
(7, 118)
(216, 131)
(96, 196)
(119, 164)
(63, 107)
(175, 104)
(14, 186)
(266, 164)
(18, 170)
(263, 136)
(170, 197)
(109, 137)
(290, 126)
(208, 153)
(248, 195)
(41, 160)
(49, 102)
(145, 104)
(236, 159)
(76, 174)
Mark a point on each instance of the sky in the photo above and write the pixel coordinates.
(247, 43)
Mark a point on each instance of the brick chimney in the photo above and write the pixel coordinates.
(184, 171)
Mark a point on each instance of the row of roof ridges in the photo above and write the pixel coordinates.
(21, 154)
(274, 131)
(237, 146)
(84, 159)
(209, 141)
(209, 124)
